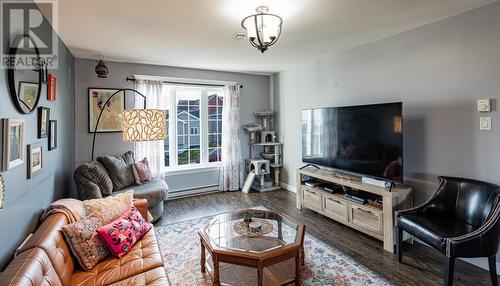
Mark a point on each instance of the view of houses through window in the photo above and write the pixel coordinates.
(195, 128)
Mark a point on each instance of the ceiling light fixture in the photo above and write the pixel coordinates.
(239, 36)
(101, 69)
(263, 29)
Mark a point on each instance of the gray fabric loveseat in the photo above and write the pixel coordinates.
(114, 175)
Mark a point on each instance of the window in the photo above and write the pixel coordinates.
(188, 118)
(214, 126)
(195, 130)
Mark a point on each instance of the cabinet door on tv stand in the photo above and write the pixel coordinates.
(311, 198)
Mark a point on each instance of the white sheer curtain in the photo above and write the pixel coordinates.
(156, 98)
(231, 174)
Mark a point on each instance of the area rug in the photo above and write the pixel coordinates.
(324, 265)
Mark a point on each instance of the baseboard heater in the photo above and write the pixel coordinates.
(193, 191)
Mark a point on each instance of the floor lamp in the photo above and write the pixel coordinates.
(138, 124)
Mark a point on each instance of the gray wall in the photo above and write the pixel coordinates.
(438, 71)
(254, 97)
(25, 199)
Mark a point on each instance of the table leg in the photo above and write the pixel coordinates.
(297, 270)
(216, 270)
(259, 275)
(280, 230)
(202, 256)
(302, 256)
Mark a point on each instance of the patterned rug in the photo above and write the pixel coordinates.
(325, 265)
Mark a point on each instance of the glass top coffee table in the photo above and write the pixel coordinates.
(235, 254)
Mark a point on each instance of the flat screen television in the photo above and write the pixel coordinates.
(365, 140)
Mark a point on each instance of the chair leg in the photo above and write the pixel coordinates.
(492, 261)
(449, 265)
(399, 244)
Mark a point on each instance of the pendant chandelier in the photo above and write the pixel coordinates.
(101, 69)
(263, 29)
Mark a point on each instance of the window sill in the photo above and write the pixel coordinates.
(191, 169)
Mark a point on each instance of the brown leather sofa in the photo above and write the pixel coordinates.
(46, 259)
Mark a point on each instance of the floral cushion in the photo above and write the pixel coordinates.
(109, 208)
(85, 243)
(142, 173)
(121, 234)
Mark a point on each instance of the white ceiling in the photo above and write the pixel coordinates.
(198, 33)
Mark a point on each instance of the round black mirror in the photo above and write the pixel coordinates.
(25, 74)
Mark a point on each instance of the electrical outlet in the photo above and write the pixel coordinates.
(485, 123)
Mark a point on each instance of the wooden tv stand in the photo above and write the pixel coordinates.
(368, 219)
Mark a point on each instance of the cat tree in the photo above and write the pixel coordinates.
(264, 172)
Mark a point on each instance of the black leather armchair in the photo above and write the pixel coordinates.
(460, 220)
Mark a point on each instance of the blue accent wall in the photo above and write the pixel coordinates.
(25, 199)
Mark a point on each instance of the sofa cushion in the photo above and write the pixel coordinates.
(31, 267)
(433, 229)
(97, 174)
(119, 169)
(154, 191)
(121, 234)
(110, 208)
(86, 245)
(153, 277)
(144, 256)
(142, 173)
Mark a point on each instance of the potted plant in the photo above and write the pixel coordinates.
(249, 214)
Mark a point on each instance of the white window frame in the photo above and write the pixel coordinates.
(203, 129)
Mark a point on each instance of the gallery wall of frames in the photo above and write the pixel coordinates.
(36, 145)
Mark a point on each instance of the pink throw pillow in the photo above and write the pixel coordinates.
(121, 234)
(142, 173)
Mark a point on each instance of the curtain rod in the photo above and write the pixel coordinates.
(187, 83)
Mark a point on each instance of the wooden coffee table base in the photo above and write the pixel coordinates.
(237, 275)
(232, 259)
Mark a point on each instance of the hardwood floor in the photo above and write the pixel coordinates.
(421, 265)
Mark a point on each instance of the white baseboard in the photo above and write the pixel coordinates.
(287, 187)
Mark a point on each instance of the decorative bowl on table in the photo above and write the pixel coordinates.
(255, 228)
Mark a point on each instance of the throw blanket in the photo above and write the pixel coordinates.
(71, 208)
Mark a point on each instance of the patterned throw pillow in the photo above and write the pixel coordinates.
(109, 208)
(85, 243)
(142, 173)
(121, 235)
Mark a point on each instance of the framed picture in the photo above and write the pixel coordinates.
(2, 192)
(45, 72)
(43, 122)
(28, 92)
(51, 87)
(111, 120)
(52, 134)
(35, 159)
(13, 137)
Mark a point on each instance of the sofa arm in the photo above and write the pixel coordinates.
(142, 207)
(92, 181)
(87, 190)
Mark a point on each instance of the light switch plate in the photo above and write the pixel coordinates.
(484, 105)
(485, 123)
